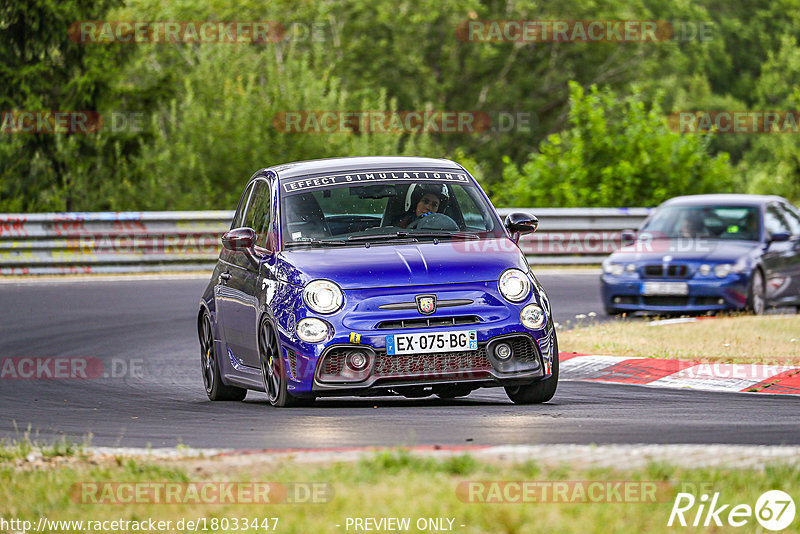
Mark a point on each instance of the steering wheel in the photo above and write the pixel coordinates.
(434, 221)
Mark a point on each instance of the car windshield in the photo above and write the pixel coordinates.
(384, 207)
(712, 222)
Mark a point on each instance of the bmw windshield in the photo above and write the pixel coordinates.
(710, 222)
(384, 207)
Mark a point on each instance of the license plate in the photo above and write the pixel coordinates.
(424, 343)
(665, 288)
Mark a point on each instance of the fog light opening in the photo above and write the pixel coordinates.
(617, 300)
(502, 351)
(357, 360)
(721, 302)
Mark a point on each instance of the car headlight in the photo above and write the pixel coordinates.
(630, 268)
(312, 330)
(722, 270)
(615, 269)
(323, 296)
(705, 269)
(514, 285)
(532, 316)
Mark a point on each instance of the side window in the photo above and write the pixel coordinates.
(239, 215)
(259, 212)
(793, 218)
(774, 221)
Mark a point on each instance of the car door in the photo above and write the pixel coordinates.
(238, 294)
(792, 216)
(777, 257)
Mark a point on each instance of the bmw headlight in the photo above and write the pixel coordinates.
(705, 269)
(722, 270)
(614, 269)
(514, 285)
(323, 296)
(532, 316)
(312, 330)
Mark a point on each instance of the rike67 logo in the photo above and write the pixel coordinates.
(774, 510)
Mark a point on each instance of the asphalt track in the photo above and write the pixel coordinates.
(150, 324)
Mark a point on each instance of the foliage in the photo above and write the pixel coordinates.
(207, 110)
(614, 153)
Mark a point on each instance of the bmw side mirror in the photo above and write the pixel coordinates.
(628, 237)
(239, 239)
(521, 223)
(778, 237)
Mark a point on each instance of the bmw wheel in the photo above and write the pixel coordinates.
(756, 301)
(209, 363)
(272, 370)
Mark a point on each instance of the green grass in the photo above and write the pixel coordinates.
(771, 339)
(387, 484)
(21, 447)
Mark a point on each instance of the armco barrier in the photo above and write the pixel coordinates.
(126, 242)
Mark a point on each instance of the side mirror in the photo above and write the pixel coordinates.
(239, 239)
(778, 237)
(521, 223)
(628, 237)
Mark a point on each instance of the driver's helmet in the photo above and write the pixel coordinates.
(417, 191)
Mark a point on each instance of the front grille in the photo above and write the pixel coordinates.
(665, 301)
(334, 361)
(428, 322)
(671, 271)
(522, 348)
(414, 365)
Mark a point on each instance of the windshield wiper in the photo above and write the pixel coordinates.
(315, 242)
(444, 233)
(378, 237)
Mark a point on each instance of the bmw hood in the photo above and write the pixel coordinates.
(385, 265)
(711, 250)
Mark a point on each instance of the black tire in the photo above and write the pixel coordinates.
(273, 373)
(209, 365)
(612, 312)
(537, 392)
(756, 299)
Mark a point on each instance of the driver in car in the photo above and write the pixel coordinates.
(425, 199)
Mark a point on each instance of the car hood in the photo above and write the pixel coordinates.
(711, 250)
(383, 265)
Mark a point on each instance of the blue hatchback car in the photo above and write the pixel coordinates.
(374, 276)
(706, 253)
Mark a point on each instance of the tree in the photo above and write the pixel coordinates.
(616, 152)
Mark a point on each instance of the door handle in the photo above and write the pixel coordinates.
(224, 277)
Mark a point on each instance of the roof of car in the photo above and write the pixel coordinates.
(333, 165)
(718, 199)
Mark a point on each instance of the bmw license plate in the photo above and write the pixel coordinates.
(424, 343)
(665, 288)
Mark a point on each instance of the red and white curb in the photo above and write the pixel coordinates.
(739, 377)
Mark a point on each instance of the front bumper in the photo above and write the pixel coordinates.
(528, 361)
(369, 315)
(625, 293)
